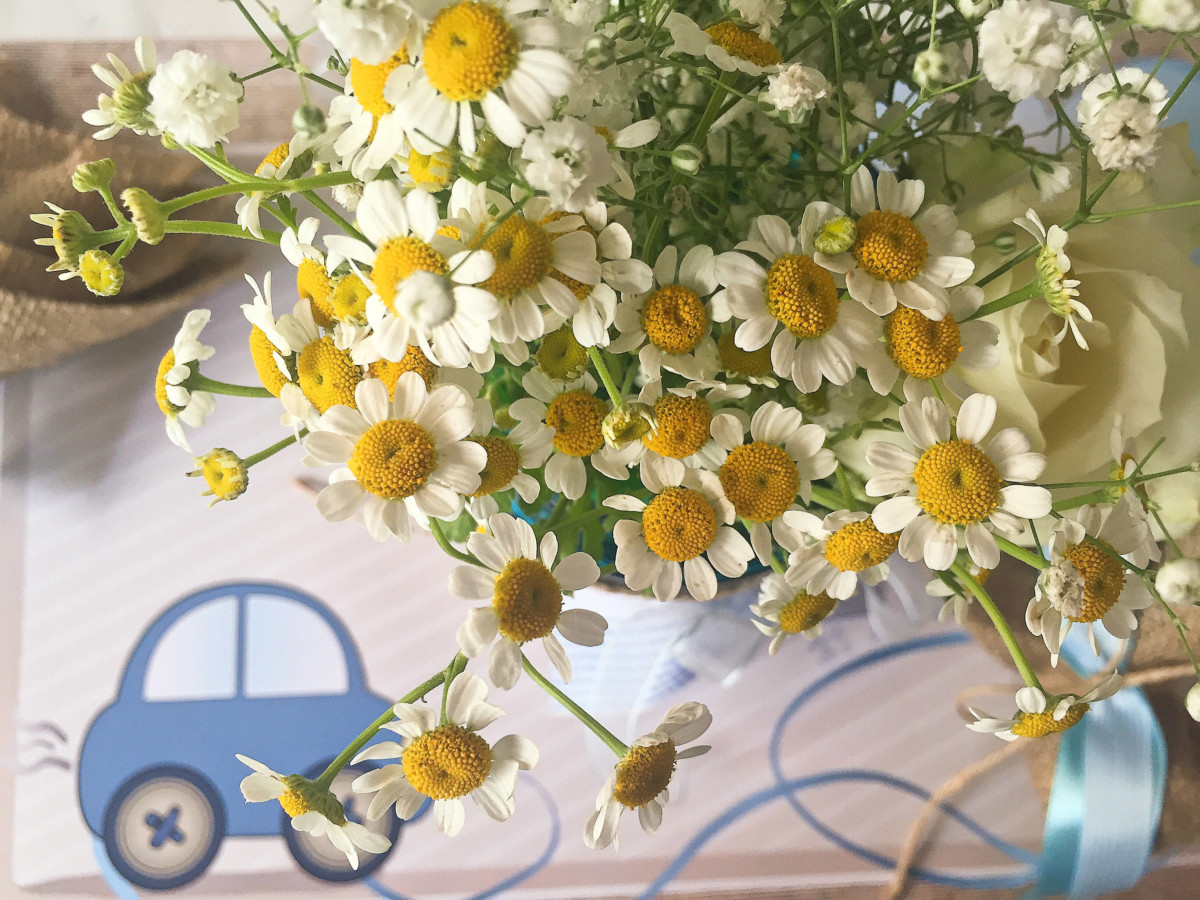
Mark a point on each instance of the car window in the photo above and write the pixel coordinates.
(196, 658)
(290, 650)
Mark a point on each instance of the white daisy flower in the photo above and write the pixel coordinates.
(180, 405)
(641, 777)
(683, 419)
(687, 518)
(288, 160)
(896, 258)
(195, 99)
(1039, 714)
(487, 773)
(525, 588)
(126, 106)
(726, 45)
(954, 487)
(311, 809)
(787, 607)
(1053, 266)
(312, 276)
(471, 53)
(1085, 584)
(425, 283)
(830, 555)
(407, 457)
(370, 30)
(822, 338)
(370, 132)
(763, 477)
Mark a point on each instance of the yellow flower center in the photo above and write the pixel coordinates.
(431, 170)
(224, 473)
(348, 302)
(394, 458)
(389, 371)
(527, 601)
(523, 254)
(747, 363)
(644, 773)
(1052, 282)
(920, 346)
(293, 803)
(274, 159)
(326, 374)
(679, 524)
(576, 418)
(102, 275)
(397, 259)
(957, 483)
(805, 611)
(1103, 579)
(859, 545)
(560, 356)
(1036, 725)
(889, 246)
(743, 43)
(262, 352)
(503, 465)
(160, 385)
(470, 49)
(802, 296)
(312, 283)
(674, 319)
(368, 83)
(682, 426)
(760, 480)
(448, 762)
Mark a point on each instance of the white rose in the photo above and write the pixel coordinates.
(1142, 288)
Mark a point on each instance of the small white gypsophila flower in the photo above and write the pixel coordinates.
(1086, 54)
(1023, 48)
(936, 68)
(1178, 581)
(761, 15)
(1192, 701)
(795, 90)
(195, 98)
(1122, 122)
(1051, 179)
(1063, 587)
(367, 30)
(1176, 16)
(568, 160)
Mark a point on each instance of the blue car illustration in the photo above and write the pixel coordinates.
(258, 669)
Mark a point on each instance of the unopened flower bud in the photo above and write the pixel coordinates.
(600, 51)
(70, 236)
(1005, 242)
(225, 474)
(932, 69)
(308, 121)
(560, 356)
(93, 176)
(1193, 701)
(146, 213)
(101, 273)
(631, 422)
(687, 158)
(973, 9)
(1178, 581)
(836, 236)
(628, 28)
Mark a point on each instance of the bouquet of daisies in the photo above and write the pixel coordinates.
(672, 293)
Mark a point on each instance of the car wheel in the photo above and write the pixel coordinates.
(318, 857)
(163, 826)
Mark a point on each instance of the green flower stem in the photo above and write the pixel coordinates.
(224, 229)
(273, 449)
(582, 518)
(439, 535)
(244, 185)
(217, 164)
(1100, 496)
(221, 190)
(111, 202)
(198, 382)
(452, 671)
(777, 564)
(1029, 557)
(242, 79)
(1012, 299)
(325, 779)
(334, 216)
(827, 497)
(614, 392)
(1180, 627)
(575, 709)
(1183, 85)
(843, 480)
(1097, 218)
(1010, 640)
(126, 245)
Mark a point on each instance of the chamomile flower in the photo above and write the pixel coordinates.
(1039, 714)
(324, 363)
(313, 810)
(181, 405)
(1084, 583)
(525, 588)
(762, 477)
(128, 104)
(447, 762)
(288, 160)
(426, 284)
(821, 337)
(899, 257)
(683, 419)
(674, 319)
(957, 599)
(372, 134)
(312, 276)
(726, 45)
(1053, 266)
(916, 346)
(687, 519)
(786, 607)
(406, 457)
(830, 555)
(527, 446)
(641, 777)
(954, 487)
(501, 57)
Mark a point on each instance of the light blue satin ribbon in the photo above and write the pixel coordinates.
(1108, 788)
